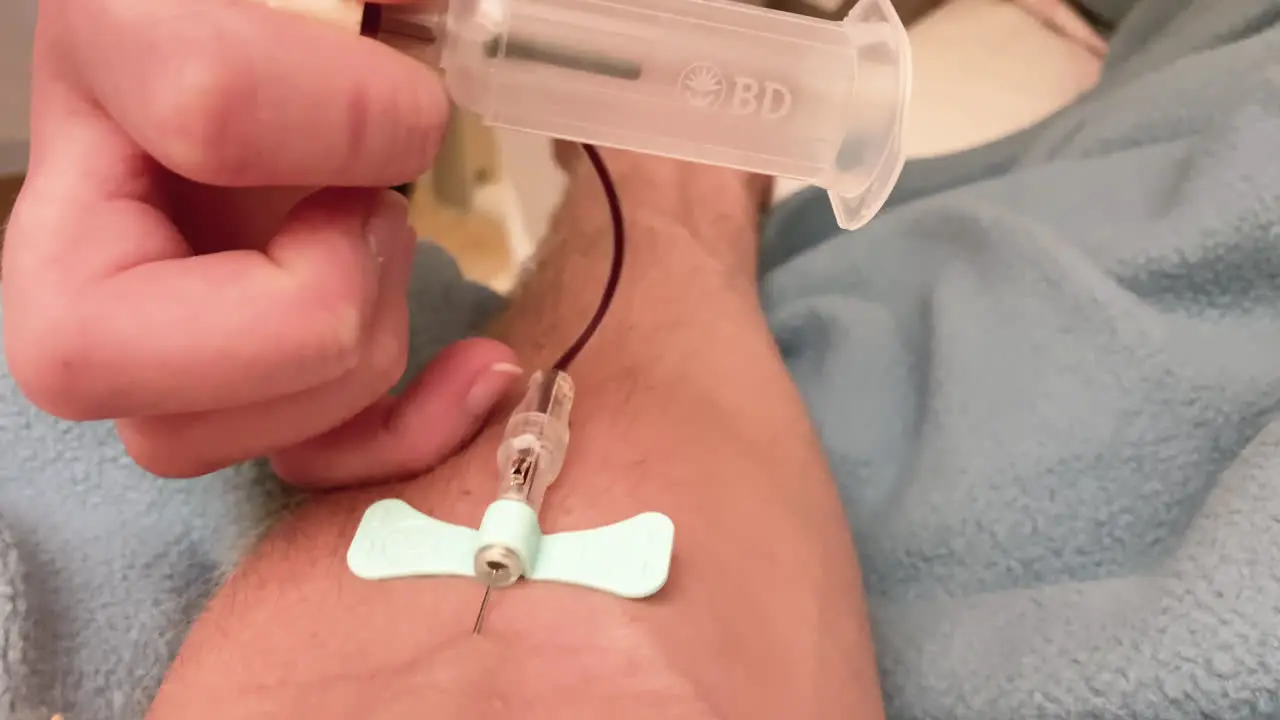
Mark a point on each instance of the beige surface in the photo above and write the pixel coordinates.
(477, 240)
(448, 206)
(987, 68)
(344, 13)
(467, 160)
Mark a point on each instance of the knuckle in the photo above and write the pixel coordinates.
(41, 382)
(338, 322)
(45, 363)
(410, 142)
(359, 111)
(195, 113)
(340, 340)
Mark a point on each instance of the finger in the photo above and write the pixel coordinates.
(238, 94)
(140, 328)
(198, 443)
(403, 435)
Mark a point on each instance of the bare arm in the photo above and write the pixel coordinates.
(684, 406)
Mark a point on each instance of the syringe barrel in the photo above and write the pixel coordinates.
(709, 81)
(536, 439)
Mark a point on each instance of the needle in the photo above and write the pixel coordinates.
(475, 629)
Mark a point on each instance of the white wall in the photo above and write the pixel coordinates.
(17, 24)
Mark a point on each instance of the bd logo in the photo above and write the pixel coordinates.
(704, 86)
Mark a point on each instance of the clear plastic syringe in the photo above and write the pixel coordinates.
(709, 81)
(530, 458)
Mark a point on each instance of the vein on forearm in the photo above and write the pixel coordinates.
(678, 266)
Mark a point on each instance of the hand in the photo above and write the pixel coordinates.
(180, 259)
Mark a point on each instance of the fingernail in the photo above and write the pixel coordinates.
(489, 388)
(387, 224)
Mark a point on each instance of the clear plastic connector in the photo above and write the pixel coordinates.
(709, 81)
(536, 439)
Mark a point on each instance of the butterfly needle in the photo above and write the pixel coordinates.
(484, 602)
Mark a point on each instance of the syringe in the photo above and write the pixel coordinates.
(530, 458)
(708, 81)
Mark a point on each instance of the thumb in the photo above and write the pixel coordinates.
(409, 433)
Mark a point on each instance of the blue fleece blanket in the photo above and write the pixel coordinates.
(1047, 377)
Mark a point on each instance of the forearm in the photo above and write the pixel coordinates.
(683, 353)
(683, 406)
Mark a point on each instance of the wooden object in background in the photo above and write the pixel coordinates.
(467, 161)
(450, 178)
(476, 239)
(9, 187)
(442, 204)
(467, 164)
(343, 13)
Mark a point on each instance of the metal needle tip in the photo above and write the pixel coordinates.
(484, 602)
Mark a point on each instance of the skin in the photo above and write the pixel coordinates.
(684, 406)
(181, 261)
